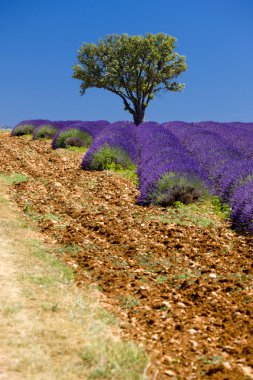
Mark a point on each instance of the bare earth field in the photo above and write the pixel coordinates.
(182, 289)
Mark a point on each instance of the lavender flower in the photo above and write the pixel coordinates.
(119, 141)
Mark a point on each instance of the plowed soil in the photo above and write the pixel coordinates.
(184, 292)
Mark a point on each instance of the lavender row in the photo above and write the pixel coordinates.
(238, 135)
(225, 164)
(228, 169)
(210, 150)
(166, 171)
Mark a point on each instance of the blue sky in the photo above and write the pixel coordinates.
(39, 40)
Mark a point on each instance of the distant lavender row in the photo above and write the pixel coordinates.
(34, 122)
(33, 126)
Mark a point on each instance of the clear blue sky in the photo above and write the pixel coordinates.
(39, 40)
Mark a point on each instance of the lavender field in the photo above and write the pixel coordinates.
(174, 161)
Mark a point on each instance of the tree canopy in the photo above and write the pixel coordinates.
(135, 68)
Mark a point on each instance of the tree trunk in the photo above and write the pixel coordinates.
(138, 117)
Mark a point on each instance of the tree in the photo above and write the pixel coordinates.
(135, 68)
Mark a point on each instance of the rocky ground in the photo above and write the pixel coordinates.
(184, 292)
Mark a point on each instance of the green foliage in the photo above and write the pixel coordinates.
(72, 249)
(114, 159)
(178, 204)
(77, 133)
(221, 208)
(162, 279)
(46, 132)
(205, 212)
(111, 158)
(130, 174)
(135, 68)
(77, 149)
(176, 189)
(22, 130)
(64, 273)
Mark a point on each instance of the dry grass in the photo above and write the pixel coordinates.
(50, 329)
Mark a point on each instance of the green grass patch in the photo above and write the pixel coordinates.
(12, 308)
(72, 249)
(66, 273)
(44, 281)
(129, 173)
(114, 360)
(53, 307)
(33, 215)
(77, 149)
(211, 360)
(162, 279)
(208, 211)
(51, 217)
(14, 178)
(221, 209)
(127, 302)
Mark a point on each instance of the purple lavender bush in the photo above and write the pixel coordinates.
(83, 132)
(115, 145)
(166, 172)
(45, 131)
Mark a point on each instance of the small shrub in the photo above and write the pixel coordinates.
(173, 188)
(221, 208)
(74, 141)
(110, 158)
(45, 132)
(21, 130)
(73, 137)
